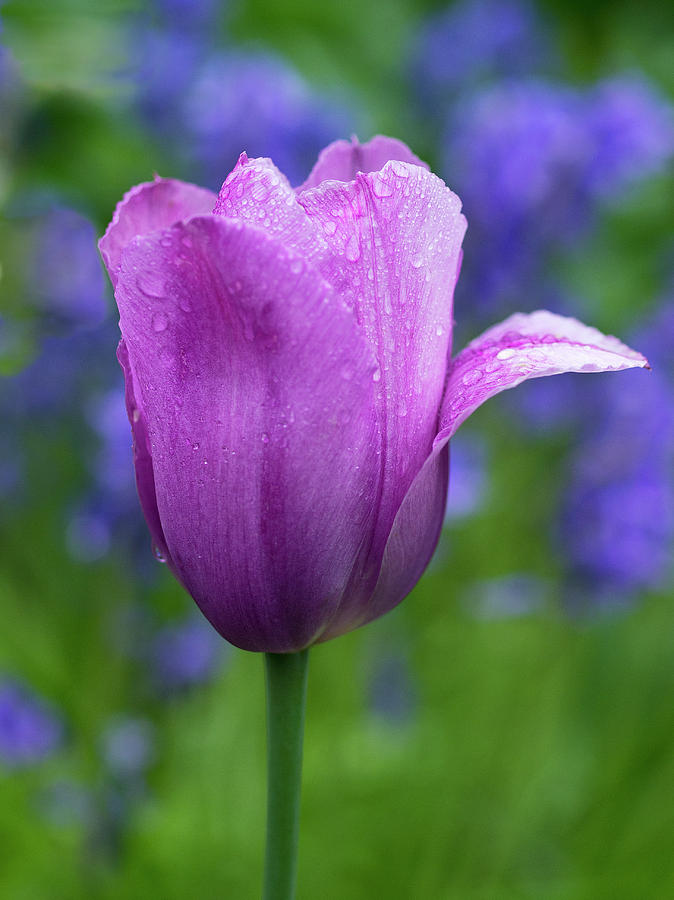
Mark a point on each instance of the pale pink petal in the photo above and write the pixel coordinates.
(525, 346)
(343, 160)
(149, 207)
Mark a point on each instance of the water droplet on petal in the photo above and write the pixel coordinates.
(330, 227)
(472, 376)
(376, 376)
(296, 266)
(195, 445)
(399, 168)
(417, 260)
(158, 553)
(185, 304)
(352, 250)
(159, 322)
(151, 284)
(381, 186)
(506, 353)
(265, 437)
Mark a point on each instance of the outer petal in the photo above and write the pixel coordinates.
(343, 160)
(394, 241)
(142, 461)
(149, 207)
(256, 388)
(409, 548)
(522, 347)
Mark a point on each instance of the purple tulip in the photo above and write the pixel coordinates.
(286, 355)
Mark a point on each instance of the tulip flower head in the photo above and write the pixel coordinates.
(290, 387)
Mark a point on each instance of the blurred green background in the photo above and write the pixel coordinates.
(508, 731)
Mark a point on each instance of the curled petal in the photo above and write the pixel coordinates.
(525, 346)
(149, 207)
(343, 160)
(256, 388)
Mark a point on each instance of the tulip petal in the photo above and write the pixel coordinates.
(394, 241)
(149, 207)
(525, 346)
(409, 548)
(142, 461)
(256, 388)
(343, 160)
(256, 191)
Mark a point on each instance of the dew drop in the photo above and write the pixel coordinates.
(158, 553)
(399, 168)
(472, 377)
(265, 437)
(151, 284)
(159, 322)
(352, 250)
(296, 266)
(506, 353)
(417, 260)
(185, 304)
(195, 446)
(381, 186)
(376, 376)
(330, 227)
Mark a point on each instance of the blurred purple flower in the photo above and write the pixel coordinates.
(257, 102)
(507, 596)
(65, 274)
(547, 406)
(473, 41)
(632, 127)
(128, 746)
(468, 482)
(391, 689)
(165, 64)
(185, 654)
(618, 516)
(57, 381)
(112, 469)
(30, 730)
(189, 15)
(88, 534)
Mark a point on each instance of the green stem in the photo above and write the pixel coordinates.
(286, 679)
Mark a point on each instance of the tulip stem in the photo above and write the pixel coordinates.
(286, 680)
